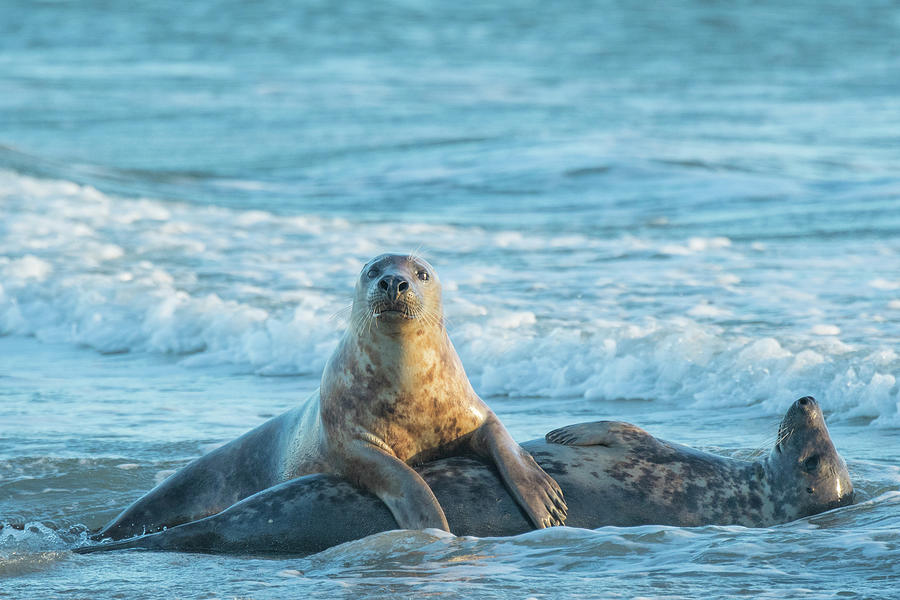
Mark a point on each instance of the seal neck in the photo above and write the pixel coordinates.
(414, 357)
(783, 503)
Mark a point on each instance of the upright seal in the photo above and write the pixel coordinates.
(393, 394)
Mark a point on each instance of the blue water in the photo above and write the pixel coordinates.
(685, 216)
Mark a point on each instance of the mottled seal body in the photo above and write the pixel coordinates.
(393, 394)
(612, 473)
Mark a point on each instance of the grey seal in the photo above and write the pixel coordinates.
(393, 394)
(612, 473)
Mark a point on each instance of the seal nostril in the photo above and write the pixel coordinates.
(383, 284)
(403, 286)
(804, 400)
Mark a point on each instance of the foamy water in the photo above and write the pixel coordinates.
(685, 218)
(698, 321)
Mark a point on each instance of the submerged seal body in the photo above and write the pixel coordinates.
(393, 394)
(612, 473)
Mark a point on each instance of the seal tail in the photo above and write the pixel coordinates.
(188, 537)
(141, 542)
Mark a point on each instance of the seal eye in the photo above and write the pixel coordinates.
(372, 273)
(422, 275)
(811, 463)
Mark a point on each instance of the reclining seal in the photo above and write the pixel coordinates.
(612, 473)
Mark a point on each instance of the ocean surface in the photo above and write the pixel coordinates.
(684, 215)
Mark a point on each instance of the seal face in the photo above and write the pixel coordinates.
(393, 394)
(397, 294)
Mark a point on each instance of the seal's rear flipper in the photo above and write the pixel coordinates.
(136, 542)
(597, 433)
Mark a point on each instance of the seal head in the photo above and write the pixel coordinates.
(808, 473)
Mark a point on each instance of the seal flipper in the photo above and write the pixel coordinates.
(407, 496)
(597, 433)
(533, 489)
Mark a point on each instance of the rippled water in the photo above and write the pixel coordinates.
(684, 217)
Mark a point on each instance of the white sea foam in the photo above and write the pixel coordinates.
(682, 321)
(826, 330)
(884, 284)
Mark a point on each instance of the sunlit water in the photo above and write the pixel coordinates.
(684, 217)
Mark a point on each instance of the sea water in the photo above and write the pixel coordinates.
(684, 215)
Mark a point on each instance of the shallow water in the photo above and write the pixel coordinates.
(685, 218)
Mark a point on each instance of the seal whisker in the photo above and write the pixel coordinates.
(432, 317)
(361, 323)
(783, 434)
(764, 446)
(371, 322)
(341, 312)
(356, 321)
(425, 315)
(417, 254)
